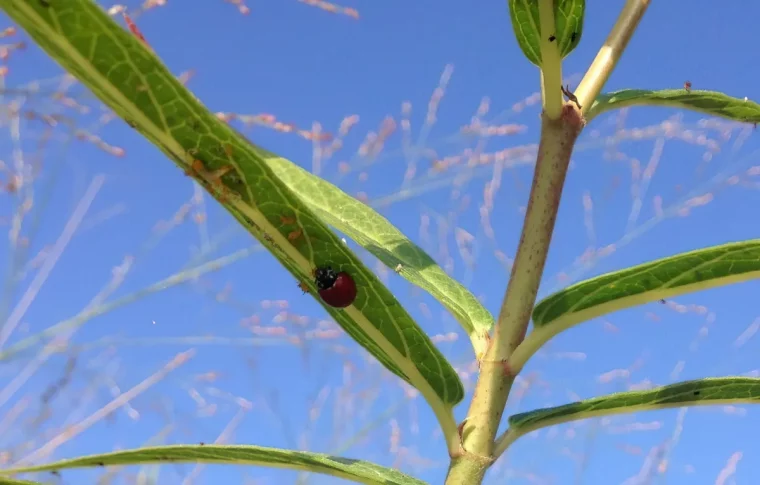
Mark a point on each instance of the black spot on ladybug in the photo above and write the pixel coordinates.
(552, 38)
(336, 289)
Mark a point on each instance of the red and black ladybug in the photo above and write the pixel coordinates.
(336, 289)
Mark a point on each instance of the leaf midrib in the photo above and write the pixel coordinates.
(441, 408)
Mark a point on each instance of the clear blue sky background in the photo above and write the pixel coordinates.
(303, 65)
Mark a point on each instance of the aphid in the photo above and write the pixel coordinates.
(687, 86)
(336, 289)
(134, 30)
(571, 96)
(552, 38)
(196, 167)
(460, 430)
(294, 235)
(303, 287)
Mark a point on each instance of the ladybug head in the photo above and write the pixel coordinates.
(325, 277)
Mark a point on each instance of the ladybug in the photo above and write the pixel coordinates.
(336, 289)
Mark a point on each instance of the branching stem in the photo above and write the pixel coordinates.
(492, 389)
(609, 55)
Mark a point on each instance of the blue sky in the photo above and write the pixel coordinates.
(303, 65)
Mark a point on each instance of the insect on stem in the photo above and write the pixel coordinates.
(570, 96)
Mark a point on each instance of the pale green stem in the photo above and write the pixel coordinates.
(610, 53)
(492, 389)
(551, 62)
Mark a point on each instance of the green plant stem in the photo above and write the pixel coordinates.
(551, 62)
(609, 55)
(492, 389)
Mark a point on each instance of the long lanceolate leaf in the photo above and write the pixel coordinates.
(708, 102)
(663, 278)
(378, 236)
(702, 392)
(349, 469)
(568, 20)
(131, 80)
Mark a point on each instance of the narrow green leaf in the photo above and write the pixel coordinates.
(568, 19)
(378, 236)
(355, 470)
(709, 102)
(701, 392)
(132, 81)
(664, 278)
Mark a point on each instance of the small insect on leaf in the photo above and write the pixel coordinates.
(303, 287)
(687, 86)
(135, 31)
(287, 220)
(293, 235)
(336, 289)
(552, 38)
(195, 168)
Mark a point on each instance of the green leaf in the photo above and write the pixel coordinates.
(709, 102)
(664, 278)
(378, 236)
(568, 20)
(355, 470)
(701, 392)
(131, 80)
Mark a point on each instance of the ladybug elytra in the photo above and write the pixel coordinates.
(337, 289)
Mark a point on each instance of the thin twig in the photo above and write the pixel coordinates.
(610, 53)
